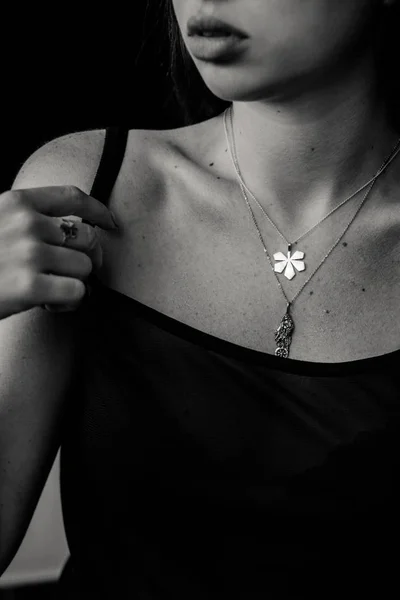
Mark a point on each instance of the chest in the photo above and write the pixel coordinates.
(191, 261)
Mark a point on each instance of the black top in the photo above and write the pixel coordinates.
(195, 468)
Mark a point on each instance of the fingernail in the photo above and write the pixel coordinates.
(58, 309)
(114, 219)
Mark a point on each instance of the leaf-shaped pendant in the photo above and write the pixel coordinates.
(283, 335)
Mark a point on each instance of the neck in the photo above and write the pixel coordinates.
(302, 156)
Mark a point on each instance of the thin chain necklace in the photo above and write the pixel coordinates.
(290, 263)
(284, 332)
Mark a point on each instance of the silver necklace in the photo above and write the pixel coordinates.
(284, 332)
(289, 263)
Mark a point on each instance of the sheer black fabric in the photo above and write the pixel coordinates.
(194, 468)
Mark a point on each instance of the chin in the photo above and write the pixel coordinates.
(246, 93)
(250, 87)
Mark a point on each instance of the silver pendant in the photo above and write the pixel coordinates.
(290, 263)
(283, 335)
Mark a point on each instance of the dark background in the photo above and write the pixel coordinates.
(64, 70)
(68, 68)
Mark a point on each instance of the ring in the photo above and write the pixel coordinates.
(69, 230)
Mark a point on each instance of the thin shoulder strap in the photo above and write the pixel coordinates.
(106, 176)
(110, 163)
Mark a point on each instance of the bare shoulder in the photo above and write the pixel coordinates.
(162, 171)
(74, 158)
(193, 143)
(71, 159)
(154, 158)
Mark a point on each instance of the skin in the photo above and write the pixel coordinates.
(305, 142)
(308, 121)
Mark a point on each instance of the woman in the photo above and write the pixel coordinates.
(228, 413)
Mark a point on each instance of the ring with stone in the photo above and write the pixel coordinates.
(69, 230)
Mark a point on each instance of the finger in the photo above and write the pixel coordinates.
(86, 238)
(60, 308)
(60, 260)
(49, 230)
(57, 290)
(96, 256)
(55, 308)
(66, 200)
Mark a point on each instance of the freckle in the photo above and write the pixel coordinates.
(344, 244)
(211, 165)
(226, 149)
(312, 149)
(327, 312)
(311, 293)
(218, 177)
(363, 289)
(176, 166)
(143, 237)
(278, 111)
(139, 265)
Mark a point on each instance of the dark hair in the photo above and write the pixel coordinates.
(197, 102)
(388, 63)
(194, 98)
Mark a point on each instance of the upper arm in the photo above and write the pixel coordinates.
(71, 159)
(36, 360)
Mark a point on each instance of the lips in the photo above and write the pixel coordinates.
(213, 40)
(212, 27)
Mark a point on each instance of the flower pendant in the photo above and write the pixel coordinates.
(289, 263)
